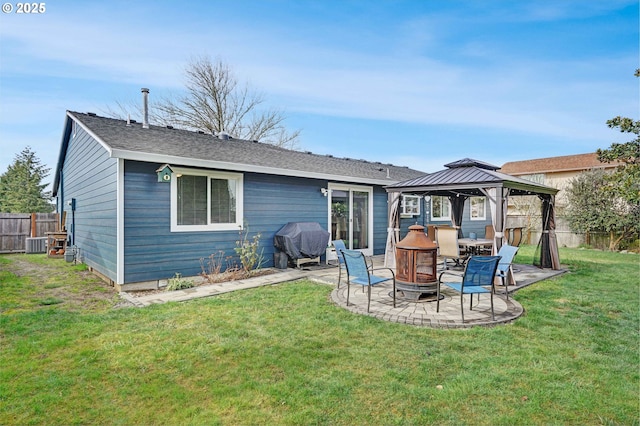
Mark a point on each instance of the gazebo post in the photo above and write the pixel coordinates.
(499, 220)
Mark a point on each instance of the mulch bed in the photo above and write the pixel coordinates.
(214, 279)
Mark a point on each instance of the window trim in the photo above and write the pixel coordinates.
(484, 210)
(237, 177)
(440, 218)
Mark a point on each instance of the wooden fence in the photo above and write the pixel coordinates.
(15, 228)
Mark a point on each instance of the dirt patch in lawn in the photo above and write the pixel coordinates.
(40, 282)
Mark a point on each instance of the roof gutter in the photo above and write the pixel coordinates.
(223, 165)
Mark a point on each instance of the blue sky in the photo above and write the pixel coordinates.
(415, 83)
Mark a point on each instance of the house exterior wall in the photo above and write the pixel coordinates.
(380, 220)
(90, 177)
(526, 211)
(559, 180)
(153, 252)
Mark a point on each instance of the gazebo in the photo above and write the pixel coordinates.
(469, 178)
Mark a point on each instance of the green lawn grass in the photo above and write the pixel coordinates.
(286, 355)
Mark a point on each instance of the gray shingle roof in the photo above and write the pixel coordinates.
(187, 148)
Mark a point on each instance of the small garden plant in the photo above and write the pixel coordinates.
(251, 259)
(179, 283)
(249, 251)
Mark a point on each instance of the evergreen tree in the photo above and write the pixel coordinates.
(21, 187)
(626, 178)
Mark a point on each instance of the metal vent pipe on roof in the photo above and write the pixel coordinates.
(145, 108)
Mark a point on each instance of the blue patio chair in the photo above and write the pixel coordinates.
(506, 253)
(479, 273)
(339, 246)
(359, 273)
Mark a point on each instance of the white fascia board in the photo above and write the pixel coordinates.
(223, 165)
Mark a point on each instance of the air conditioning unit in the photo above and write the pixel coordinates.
(36, 245)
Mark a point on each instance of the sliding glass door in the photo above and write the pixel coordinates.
(351, 212)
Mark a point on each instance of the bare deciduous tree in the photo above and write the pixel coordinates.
(215, 101)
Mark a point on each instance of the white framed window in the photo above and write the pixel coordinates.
(440, 208)
(204, 200)
(478, 207)
(410, 205)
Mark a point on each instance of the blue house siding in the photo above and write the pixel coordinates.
(380, 220)
(153, 252)
(89, 176)
(270, 202)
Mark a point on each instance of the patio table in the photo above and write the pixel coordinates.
(474, 245)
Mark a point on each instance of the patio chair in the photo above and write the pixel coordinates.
(489, 233)
(506, 253)
(479, 273)
(339, 246)
(431, 232)
(448, 247)
(359, 273)
(515, 237)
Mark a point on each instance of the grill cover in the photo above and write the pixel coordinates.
(302, 239)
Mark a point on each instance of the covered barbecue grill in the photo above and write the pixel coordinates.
(302, 242)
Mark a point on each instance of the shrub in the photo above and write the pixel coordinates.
(249, 251)
(178, 283)
(211, 269)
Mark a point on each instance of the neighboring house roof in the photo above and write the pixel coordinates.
(469, 176)
(579, 162)
(196, 149)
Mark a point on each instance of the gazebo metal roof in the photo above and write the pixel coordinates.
(469, 176)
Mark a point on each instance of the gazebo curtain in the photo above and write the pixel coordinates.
(457, 209)
(393, 230)
(548, 244)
